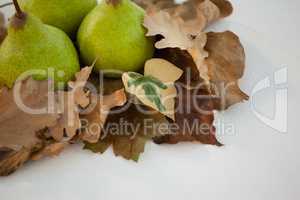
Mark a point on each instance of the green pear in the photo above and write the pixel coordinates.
(114, 36)
(32, 45)
(64, 14)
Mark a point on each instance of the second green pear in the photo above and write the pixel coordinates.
(114, 36)
(66, 15)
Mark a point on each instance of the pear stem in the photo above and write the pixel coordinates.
(19, 13)
(113, 2)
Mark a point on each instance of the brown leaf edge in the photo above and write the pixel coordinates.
(34, 93)
(189, 116)
(226, 65)
(3, 30)
(11, 160)
(128, 145)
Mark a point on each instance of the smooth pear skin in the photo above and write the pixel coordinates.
(66, 15)
(35, 45)
(115, 37)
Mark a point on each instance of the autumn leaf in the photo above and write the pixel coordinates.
(17, 127)
(11, 160)
(194, 15)
(197, 15)
(161, 23)
(130, 143)
(26, 135)
(194, 118)
(226, 64)
(126, 147)
(50, 149)
(98, 115)
(225, 7)
(175, 36)
(69, 106)
(81, 97)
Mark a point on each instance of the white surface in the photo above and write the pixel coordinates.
(257, 163)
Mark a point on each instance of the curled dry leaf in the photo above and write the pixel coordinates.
(225, 7)
(95, 120)
(69, 104)
(226, 64)
(181, 59)
(51, 149)
(23, 140)
(18, 126)
(175, 36)
(193, 119)
(11, 160)
(3, 31)
(161, 23)
(130, 142)
(81, 97)
(128, 148)
(195, 15)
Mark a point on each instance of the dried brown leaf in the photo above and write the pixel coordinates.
(161, 23)
(99, 114)
(226, 64)
(81, 97)
(195, 15)
(69, 105)
(128, 148)
(11, 160)
(18, 128)
(194, 118)
(130, 143)
(175, 36)
(224, 6)
(51, 149)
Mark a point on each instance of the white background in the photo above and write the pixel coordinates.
(256, 163)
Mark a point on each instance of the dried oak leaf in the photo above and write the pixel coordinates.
(193, 119)
(175, 36)
(195, 15)
(126, 147)
(11, 160)
(18, 127)
(183, 60)
(226, 64)
(3, 31)
(130, 142)
(51, 149)
(69, 104)
(198, 14)
(95, 120)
